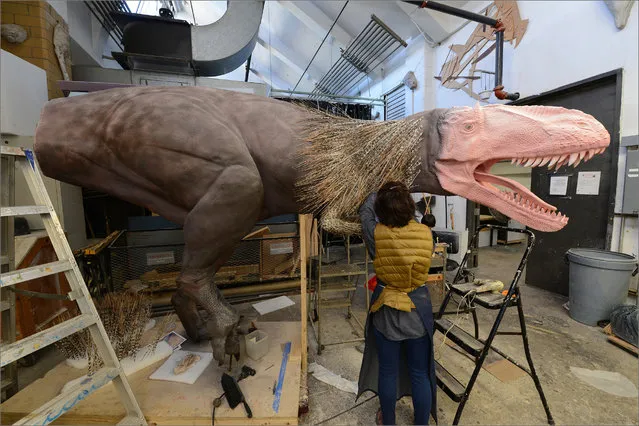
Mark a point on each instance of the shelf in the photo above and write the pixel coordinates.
(335, 303)
(6, 382)
(332, 287)
(342, 270)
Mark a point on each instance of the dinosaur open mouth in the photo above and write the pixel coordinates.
(520, 196)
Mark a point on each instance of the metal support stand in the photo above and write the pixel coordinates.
(499, 91)
(475, 346)
(336, 278)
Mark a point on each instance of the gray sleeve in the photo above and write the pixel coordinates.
(369, 222)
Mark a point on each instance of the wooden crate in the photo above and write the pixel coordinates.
(279, 255)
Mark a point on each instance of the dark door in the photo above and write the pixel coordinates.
(590, 216)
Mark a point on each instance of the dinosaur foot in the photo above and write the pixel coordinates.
(217, 321)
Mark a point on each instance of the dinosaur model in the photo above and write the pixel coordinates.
(217, 162)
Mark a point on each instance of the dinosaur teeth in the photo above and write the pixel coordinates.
(532, 206)
(573, 158)
(557, 161)
(562, 160)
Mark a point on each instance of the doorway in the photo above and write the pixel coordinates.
(591, 216)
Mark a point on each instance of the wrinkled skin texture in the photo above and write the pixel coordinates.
(216, 162)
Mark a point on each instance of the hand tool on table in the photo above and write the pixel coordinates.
(234, 395)
(280, 381)
(246, 371)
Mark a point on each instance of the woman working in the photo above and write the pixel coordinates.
(398, 356)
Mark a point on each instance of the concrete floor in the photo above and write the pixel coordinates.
(557, 342)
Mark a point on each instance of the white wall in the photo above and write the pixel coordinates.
(21, 98)
(416, 57)
(60, 6)
(85, 31)
(90, 43)
(566, 41)
(23, 93)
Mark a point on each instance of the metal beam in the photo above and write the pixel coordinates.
(449, 10)
(427, 25)
(282, 52)
(265, 79)
(316, 20)
(372, 101)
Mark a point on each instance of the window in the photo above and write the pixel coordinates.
(395, 103)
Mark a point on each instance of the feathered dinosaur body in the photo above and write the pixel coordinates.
(218, 161)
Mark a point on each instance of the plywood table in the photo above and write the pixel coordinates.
(171, 403)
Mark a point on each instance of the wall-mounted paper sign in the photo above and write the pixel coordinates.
(588, 183)
(558, 185)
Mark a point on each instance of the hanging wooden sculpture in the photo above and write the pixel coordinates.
(460, 71)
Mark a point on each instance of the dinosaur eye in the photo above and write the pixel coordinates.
(468, 127)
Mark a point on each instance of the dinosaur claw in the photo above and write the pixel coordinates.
(232, 344)
(218, 344)
(217, 317)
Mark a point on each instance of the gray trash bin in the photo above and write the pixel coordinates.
(598, 282)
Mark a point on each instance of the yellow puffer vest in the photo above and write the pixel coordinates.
(402, 261)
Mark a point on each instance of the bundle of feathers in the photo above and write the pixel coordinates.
(344, 159)
(124, 316)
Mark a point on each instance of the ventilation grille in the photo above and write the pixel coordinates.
(395, 103)
(366, 52)
(102, 12)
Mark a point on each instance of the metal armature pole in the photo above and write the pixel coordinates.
(499, 91)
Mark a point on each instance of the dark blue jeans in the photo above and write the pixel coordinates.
(389, 358)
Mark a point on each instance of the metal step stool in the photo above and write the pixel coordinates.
(472, 344)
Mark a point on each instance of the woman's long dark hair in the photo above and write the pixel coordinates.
(394, 205)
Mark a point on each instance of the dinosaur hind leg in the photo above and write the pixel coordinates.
(227, 211)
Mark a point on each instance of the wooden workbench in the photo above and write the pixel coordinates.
(171, 403)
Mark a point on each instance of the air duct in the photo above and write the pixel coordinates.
(224, 45)
(160, 44)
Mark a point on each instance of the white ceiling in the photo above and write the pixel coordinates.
(292, 31)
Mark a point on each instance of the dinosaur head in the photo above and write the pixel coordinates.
(474, 139)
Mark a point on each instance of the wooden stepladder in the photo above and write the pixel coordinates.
(88, 318)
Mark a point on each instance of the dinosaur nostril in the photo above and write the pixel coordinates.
(583, 124)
